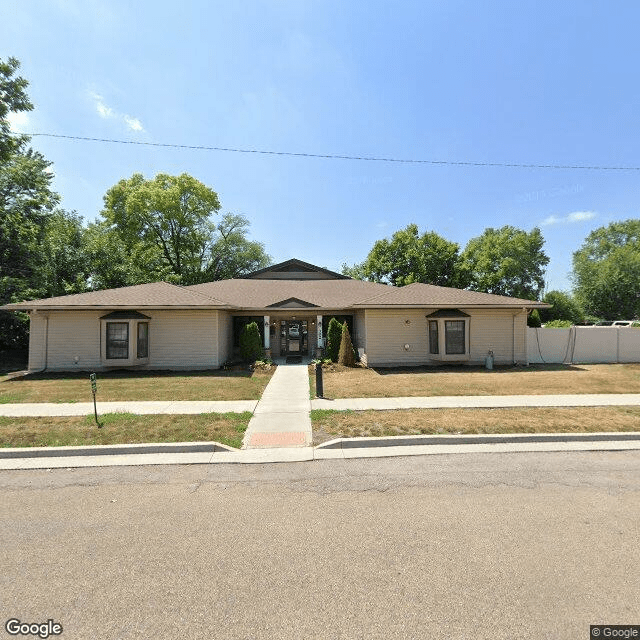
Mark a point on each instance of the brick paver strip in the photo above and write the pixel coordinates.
(283, 439)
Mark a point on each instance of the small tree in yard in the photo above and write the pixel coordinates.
(334, 338)
(534, 319)
(250, 342)
(346, 356)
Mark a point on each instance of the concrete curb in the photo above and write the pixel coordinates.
(216, 453)
(489, 438)
(114, 449)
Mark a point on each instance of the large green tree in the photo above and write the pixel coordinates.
(41, 246)
(13, 98)
(506, 261)
(606, 271)
(565, 307)
(410, 257)
(165, 228)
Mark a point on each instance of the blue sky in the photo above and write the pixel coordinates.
(523, 82)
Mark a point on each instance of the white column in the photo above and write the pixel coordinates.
(319, 331)
(267, 333)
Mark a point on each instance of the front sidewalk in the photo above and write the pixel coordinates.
(282, 417)
(480, 402)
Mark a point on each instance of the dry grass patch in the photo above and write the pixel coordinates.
(475, 381)
(355, 424)
(124, 428)
(136, 385)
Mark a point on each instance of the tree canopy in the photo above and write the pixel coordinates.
(13, 98)
(166, 230)
(410, 257)
(507, 262)
(40, 244)
(565, 307)
(606, 271)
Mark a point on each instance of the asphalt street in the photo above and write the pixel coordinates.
(516, 545)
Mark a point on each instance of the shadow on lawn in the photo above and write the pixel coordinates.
(385, 371)
(121, 374)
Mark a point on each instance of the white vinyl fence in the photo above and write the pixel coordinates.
(583, 345)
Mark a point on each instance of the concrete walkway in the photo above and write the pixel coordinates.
(282, 417)
(288, 394)
(480, 402)
(43, 409)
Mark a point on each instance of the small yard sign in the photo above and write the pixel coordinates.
(94, 388)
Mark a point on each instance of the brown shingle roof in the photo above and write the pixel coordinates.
(155, 294)
(260, 294)
(421, 295)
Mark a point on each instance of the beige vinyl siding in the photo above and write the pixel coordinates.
(494, 330)
(387, 333)
(225, 337)
(37, 336)
(360, 327)
(183, 339)
(178, 339)
(74, 340)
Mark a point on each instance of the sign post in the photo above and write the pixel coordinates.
(94, 388)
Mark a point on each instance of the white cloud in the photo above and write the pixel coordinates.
(106, 112)
(103, 110)
(579, 216)
(19, 121)
(133, 123)
(575, 216)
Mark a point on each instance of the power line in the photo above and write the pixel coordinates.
(459, 163)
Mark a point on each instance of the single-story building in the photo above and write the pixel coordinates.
(162, 325)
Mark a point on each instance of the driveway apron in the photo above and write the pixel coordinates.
(282, 417)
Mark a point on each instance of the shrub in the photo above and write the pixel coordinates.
(346, 356)
(559, 324)
(334, 337)
(534, 319)
(250, 343)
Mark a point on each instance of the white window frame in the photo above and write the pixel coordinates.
(132, 358)
(442, 355)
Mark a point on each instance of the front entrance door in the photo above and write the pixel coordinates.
(294, 338)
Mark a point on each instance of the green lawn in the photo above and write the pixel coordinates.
(124, 428)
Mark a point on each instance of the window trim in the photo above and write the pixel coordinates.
(434, 338)
(110, 346)
(145, 338)
(132, 322)
(448, 333)
(441, 317)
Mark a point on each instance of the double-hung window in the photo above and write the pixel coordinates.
(454, 337)
(143, 340)
(434, 347)
(117, 340)
(448, 335)
(124, 338)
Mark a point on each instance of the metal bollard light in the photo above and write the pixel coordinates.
(319, 389)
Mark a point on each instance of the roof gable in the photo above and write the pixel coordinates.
(293, 303)
(295, 269)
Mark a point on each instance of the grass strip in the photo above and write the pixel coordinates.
(124, 428)
(328, 423)
(476, 381)
(116, 386)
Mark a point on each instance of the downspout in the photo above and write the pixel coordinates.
(46, 342)
(513, 333)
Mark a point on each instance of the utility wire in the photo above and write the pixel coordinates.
(340, 157)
